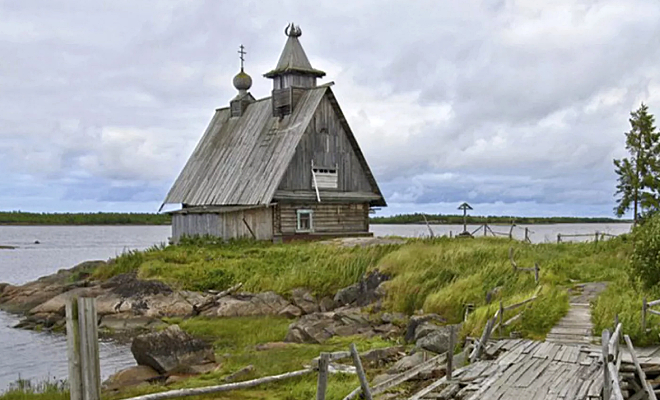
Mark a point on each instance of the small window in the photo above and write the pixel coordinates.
(304, 218)
(325, 178)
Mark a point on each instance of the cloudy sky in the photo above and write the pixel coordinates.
(516, 106)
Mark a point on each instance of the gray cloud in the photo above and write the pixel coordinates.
(515, 106)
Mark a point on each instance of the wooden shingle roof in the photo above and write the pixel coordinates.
(241, 160)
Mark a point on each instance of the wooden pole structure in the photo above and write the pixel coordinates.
(485, 229)
(360, 371)
(596, 237)
(499, 329)
(450, 352)
(322, 382)
(642, 376)
(607, 382)
(89, 349)
(559, 238)
(527, 235)
(73, 348)
(536, 272)
(644, 316)
(464, 219)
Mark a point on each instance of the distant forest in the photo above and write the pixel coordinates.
(100, 218)
(103, 218)
(478, 220)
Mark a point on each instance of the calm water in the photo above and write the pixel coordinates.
(29, 354)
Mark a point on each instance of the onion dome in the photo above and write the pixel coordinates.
(242, 81)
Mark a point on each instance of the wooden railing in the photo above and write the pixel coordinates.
(596, 235)
(516, 268)
(646, 308)
(497, 321)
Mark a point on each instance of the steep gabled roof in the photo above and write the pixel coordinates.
(241, 160)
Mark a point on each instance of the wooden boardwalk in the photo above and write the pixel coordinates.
(528, 370)
(574, 328)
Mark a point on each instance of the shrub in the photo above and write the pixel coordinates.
(645, 260)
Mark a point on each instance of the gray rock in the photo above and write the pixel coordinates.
(364, 292)
(247, 304)
(171, 350)
(327, 304)
(131, 376)
(240, 374)
(417, 320)
(424, 330)
(436, 340)
(408, 362)
(382, 355)
(303, 299)
(396, 318)
(319, 327)
(291, 311)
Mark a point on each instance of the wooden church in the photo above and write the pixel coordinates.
(284, 167)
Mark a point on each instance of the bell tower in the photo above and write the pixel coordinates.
(293, 73)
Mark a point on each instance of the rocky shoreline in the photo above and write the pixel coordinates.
(133, 309)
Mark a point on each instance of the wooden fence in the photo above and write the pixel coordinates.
(516, 268)
(646, 308)
(497, 321)
(596, 235)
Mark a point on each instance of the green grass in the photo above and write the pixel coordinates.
(100, 218)
(433, 275)
(48, 389)
(235, 341)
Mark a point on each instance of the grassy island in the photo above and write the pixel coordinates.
(438, 275)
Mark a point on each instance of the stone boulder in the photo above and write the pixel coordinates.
(303, 299)
(319, 327)
(433, 338)
(417, 320)
(171, 350)
(408, 362)
(248, 304)
(364, 292)
(131, 376)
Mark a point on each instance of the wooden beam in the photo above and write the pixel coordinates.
(607, 381)
(642, 376)
(89, 348)
(322, 381)
(175, 394)
(364, 384)
(73, 348)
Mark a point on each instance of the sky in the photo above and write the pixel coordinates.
(515, 106)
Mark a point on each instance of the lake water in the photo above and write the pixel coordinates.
(33, 355)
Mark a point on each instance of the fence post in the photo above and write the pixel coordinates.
(322, 382)
(73, 348)
(559, 238)
(596, 237)
(360, 371)
(450, 352)
(644, 307)
(89, 349)
(527, 235)
(499, 328)
(607, 383)
(536, 272)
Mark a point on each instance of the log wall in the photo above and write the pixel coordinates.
(326, 218)
(226, 225)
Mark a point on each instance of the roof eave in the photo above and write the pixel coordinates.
(276, 72)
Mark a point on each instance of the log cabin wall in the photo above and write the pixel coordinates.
(326, 144)
(225, 225)
(326, 218)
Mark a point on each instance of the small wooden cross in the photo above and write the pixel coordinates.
(242, 55)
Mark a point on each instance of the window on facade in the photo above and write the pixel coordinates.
(304, 218)
(325, 178)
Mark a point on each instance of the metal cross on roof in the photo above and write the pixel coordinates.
(242, 53)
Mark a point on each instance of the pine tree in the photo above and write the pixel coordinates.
(639, 177)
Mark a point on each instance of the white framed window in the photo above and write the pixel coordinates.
(325, 178)
(304, 221)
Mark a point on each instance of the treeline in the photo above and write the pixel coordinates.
(100, 218)
(418, 218)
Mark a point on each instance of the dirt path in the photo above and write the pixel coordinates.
(576, 326)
